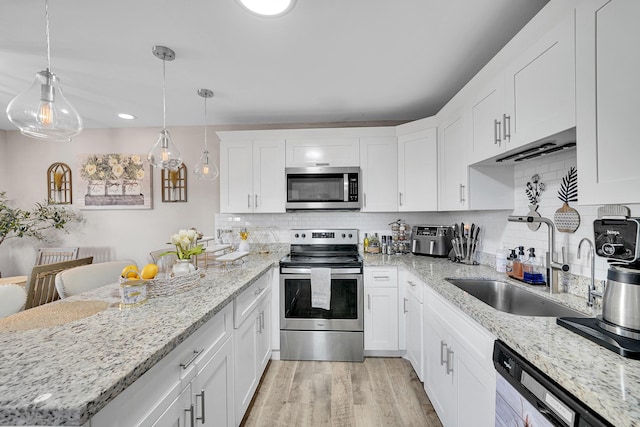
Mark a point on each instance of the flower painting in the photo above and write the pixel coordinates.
(115, 181)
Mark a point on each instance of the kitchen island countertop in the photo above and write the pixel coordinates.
(63, 375)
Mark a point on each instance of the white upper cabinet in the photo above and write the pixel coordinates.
(379, 179)
(453, 170)
(329, 151)
(418, 171)
(608, 85)
(487, 114)
(540, 88)
(252, 175)
(530, 99)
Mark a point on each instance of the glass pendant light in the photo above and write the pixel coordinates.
(164, 153)
(42, 111)
(204, 169)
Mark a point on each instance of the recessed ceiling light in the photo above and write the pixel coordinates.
(270, 8)
(126, 116)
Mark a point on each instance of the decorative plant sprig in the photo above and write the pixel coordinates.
(569, 187)
(534, 189)
(16, 222)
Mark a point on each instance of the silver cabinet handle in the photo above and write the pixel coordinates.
(196, 353)
(323, 164)
(369, 302)
(364, 200)
(258, 327)
(201, 396)
(261, 320)
(381, 277)
(400, 199)
(462, 199)
(259, 291)
(443, 346)
(405, 305)
(413, 285)
(507, 128)
(191, 412)
(255, 204)
(449, 361)
(249, 201)
(496, 131)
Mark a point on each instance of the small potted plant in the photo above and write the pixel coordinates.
(186, 247)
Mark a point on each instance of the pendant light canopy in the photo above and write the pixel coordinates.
(164, 153)
(42, 111)
(205, 169)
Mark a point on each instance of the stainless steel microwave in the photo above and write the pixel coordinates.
(323, 188)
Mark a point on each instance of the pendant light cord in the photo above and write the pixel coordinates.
(164, 96)
(46, 18)
(205, 124)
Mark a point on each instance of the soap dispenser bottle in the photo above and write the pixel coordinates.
(517, 263)
(527, 267)
(510, 259)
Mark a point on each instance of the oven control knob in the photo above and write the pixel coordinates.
(296, 235)
(344, 235)
(350, 235)
(304, 235)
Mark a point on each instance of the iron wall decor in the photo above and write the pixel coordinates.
(174, 184)
(59, 185)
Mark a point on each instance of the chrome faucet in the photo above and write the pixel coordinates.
(592, 285)
(552, 266)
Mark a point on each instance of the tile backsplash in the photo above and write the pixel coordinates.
(495, 234)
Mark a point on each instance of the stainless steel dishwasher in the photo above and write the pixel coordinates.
(527, 397)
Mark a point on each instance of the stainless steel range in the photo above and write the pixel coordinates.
(322, 297)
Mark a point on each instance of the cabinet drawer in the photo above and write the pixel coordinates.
(245, 302)
(381, 277)
(477, 341)
(413, 285)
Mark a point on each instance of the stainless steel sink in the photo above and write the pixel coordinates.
(506, 297)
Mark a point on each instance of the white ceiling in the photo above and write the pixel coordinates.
(325, 61)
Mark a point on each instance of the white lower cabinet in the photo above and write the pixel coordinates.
(165, 395)
(252, 341)
(414, 320)
(208, 397)
(459, 373)
(380, 309)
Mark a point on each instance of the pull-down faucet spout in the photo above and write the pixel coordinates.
(552, 265)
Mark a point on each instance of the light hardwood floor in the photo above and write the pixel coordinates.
(378, 392)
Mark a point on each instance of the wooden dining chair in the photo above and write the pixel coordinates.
(41, 288)
(51, 255)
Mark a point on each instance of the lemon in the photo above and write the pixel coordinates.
(128, 270)
(149, 271)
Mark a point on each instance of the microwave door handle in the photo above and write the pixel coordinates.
(345, 193)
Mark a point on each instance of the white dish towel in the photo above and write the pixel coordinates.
(321, 288)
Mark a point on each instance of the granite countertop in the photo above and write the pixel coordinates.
(603, 380)
(63, 375)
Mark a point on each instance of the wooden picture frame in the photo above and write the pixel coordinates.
(115, 181)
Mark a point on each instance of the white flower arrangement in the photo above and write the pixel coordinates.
(185, 243)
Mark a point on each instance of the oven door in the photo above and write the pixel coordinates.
(346, 307)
